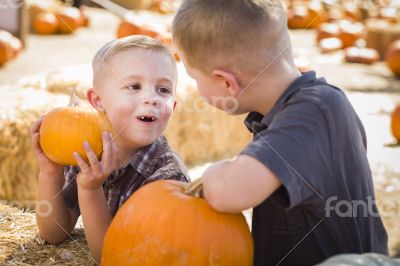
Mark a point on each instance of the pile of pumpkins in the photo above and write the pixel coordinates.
(341, 25)
(143, 25)
(10, 47)
(56, 18)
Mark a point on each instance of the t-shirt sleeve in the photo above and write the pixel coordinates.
(70, 188)
(296, 148)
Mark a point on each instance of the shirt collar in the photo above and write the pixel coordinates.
(145, 159)
(256, 122)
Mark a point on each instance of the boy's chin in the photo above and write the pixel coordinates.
(142, 141)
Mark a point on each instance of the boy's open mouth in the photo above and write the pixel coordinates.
(146, 118)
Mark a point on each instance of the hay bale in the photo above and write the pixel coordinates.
(201, 133)
(19, 108)
(380, 34)
(20, 243)
(77, 79)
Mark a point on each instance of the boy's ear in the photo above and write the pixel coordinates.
(231, 81)
(94, 99)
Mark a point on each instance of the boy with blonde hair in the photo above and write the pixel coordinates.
(309, 146)
(134, 81)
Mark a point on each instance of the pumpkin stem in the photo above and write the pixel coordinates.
(74, 100)
(195, 189)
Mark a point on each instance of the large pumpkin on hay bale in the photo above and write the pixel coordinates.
(395, 123)
(64, 130)
(167, 223)
(393, 58)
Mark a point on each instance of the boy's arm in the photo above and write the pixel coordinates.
(96, 218)
(55, 221)
(92, 202)
(233, 186)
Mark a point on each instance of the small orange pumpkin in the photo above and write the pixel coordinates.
(350, 32)
(64, 130)
(10, 46)
(298, 18)
(131, 27)
(45, 23)
(68, 20)
(395, 123)
(166, 223)
(393, 57)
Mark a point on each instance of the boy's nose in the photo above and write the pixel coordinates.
(152, 101)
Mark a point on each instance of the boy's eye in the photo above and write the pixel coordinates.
(134, 87)
(164, 90)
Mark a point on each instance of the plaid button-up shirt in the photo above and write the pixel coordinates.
(153, 162)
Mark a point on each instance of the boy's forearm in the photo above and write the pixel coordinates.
(233, 186)
(96, 218)
(51, 211)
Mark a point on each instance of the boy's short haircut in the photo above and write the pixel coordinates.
(100, 60)
(219, 33)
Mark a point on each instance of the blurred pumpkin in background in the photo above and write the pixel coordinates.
(395, 123)
(393, 58)
(68, 19)
(45, 23)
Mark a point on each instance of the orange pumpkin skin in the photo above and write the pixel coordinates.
(395, 123)
(350, 33)
(5, 52)
(127, 28)
(68, 20)
(7, 46)
(64, 130)
(298, 18)
(161, 225)
(45, 23)
(393, 58)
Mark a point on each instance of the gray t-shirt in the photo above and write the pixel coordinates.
(314, 142)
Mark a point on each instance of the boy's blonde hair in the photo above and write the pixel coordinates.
(103, 56)
(222, 33)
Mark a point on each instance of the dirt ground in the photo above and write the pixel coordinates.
(371, 89)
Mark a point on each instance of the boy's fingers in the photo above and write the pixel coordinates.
(36, 125)
(114, 149)
(81, 163)
(35, 142)
(107, 150)
(93, 162)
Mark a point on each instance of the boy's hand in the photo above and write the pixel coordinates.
(93, 175)
(46, 165)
